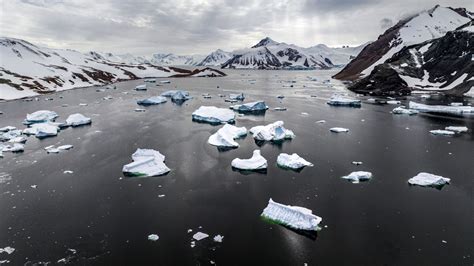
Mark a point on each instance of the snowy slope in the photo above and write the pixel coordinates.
(424, 26)
(216, 58)
(175, 60)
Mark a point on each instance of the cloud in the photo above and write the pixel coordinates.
(386, 23)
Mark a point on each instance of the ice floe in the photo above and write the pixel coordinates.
(457, 129)
(180, 96)
(213, 115)
(339, 130)
(295, 217)
(9, 135)
(441, 109)
(200, 235)
(237, 97)
(257, 106)
(224, 137)
(153, 237)
(146, 162)
(141, 87)
(152, 100)
(293, 161)
(272, 132)
(8, 250)
(428, 180)
(356, 177)
(401, 110)
(76, 120)
(442, 132)
(40, 117)
(42, 130)
(338, 100)
(256, 162)
(7, 128)
(15, 147)
(218, 238)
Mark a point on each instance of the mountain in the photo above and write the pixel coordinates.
(424, 26)
(27, 69)
(176, 60)
(269, 54)
(216, 58)
(443, 65)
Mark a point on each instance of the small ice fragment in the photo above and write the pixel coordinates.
(83, 104)
(444, 241)
(152, 100)
(76, 120)
(16, 147)
(280, 96)
(34, 186)
(304, 113)
(257, 162)
(321, 121)
(457, 129)
(41, 116)
(292, 216)
(224, 137)
(180, 96)
(8, 250)
(141, 87)
(356, 177)
(147, 163)
(428, 180)
(394, 102)
(293, 161)
(65, 147)
(238, 97)
(161, 195)
(338, 100)
(7, 128)
(218, 238)
(199, 236)
(280, 109)
(68, 172)
(401, 110)
(213, 115)
(338, 129)
(442, 132)
(139, 110)
(165, 81)
(456, 104)
(258, 106)
(190, 230)
(356, 163)
(153, 237)
(150, 80)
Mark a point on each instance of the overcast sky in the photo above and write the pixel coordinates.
(144, 27)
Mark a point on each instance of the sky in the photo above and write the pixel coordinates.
(144, 27)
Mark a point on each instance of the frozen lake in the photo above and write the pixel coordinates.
(95, 215)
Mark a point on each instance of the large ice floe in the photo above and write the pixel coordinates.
(457, 129)
(40, 117)
(356, 177)
(76, 120)
(339, 100)
(293, 161)
(152, 100)
(295, 217)
(146, 163)
(272, 132)
(224, 137)
(428, 180)
(42, 130)
(258, 106)
(441, 109)
(257, 162)
(213, 115)
(401, 110)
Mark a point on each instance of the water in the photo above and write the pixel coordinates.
(106, 218)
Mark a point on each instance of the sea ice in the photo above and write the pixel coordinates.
(403, 111)
(442, 132)
(213, 115)
(40, 117)
(218, 238)
(8, 250)
(42, 130)
(238, 97)
(272, 132)
(15, 147)
(146, 162)
(76, 120)
(257, 162)
(428, 180)
(200, 235)
(250, 107)
(152, 100)
(7, 128)
(457, 129)
(141, 87)
(338, 100)
(394, 102)
(153, 237)
(293, 161)
(180, 96)
(224, 137)
(9, 135)
(338, 129)
(356, 177)
(295, 217)
(441, 109)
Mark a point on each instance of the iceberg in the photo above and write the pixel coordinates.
(146, 163)
(218, 238)
(441, 109)
(272, 132)
(141, 87)
(180, 96)
(213, 115)
(238, 97)
(257, 162)
(442, 132)
(152, 100)
(295, 217)
(150, 80)
(428, 180)
(403, 111)
(258, 106)
(338, 100)
(40, 117)
(293, 161)
(170, 93)
(76, 120)
(42, 130)
(339, 130)
(200, 235)
(224, 137)
(356, 177)
(457, 129)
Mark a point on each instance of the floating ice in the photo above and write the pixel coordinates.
(146, 162)
(321, 121)
(224, 137)
(15, 147)
(293, 161)
(295, 217)
(272, 132)
(457, 129)
(200, 235)
(218, 238)
(8, 250)
(356, 163)
(428, 180)
(257, 162)
(40, 116)
(20, 139)
(213, 115)
(441, 109)
(7, 128)
(442, 132)
(403, 111)
(150, 80)
(356, 177)
(250, 107)
(180, 96)
(279, 108)
(170, 93)
(165, 81)
(152, 100)
(9, 135)
(338, 100)
(153, 237)
(394, 102)
(42, 130)
(338, 130)
(238, 97)
(141, 87)
(76, 120)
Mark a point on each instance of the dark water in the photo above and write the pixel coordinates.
(106, 217)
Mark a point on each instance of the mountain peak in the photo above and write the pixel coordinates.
(264, 42)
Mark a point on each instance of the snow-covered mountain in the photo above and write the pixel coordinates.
(175, 60)
(216, 58)
(27, 69)
(421, 27)
(269, 54)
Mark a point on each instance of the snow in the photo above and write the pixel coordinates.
(338, 100)
(356, 177)
(41, 116)
(339, 130)
(293, 161)
(272, 132)
(256, 162)
(216, 58)
(147, 163)
(442, 132)
(401, 110)
(442, 109)
(250, 107)
(152, 100)
(199, 236)
(76, 120)
(425, 84)
(213, 115)
(295, 217)
(457, 129)
(153, 237)
(428, 180)
(224, 137)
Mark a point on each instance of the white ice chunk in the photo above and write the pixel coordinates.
(180, 96)
(218, 238)
(76, 120)
(403, 111)
(429, 180)
(152, 100)
(293, 161)
(442, 109)
(356, 177)
(65, 147)
(272, 132)
(42, 130)
(20, 139)
(257, 162)
(224, 137)
(10, 135)
(338, 129)
(213, 115)
(457, 129)
(8, 250)
(41, 116)
(238, 97)
(146, 162)
(394, 102)
(16, 147)
(295, 217)
(141, 87)
(250, 107)
(442, 132)
(153, 237)
(7, 128)
(338, 100)
(200, 235)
